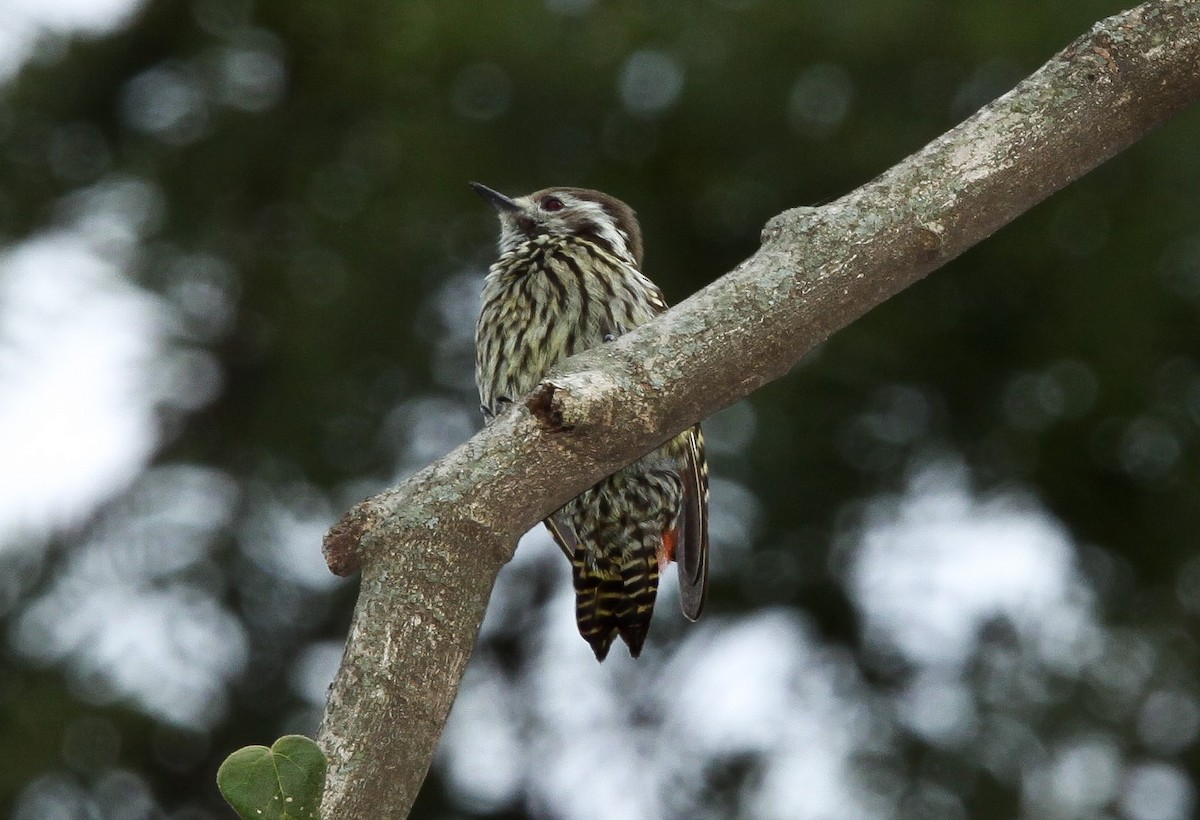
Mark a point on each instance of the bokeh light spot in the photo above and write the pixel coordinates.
(481, 92)
(651, 82)
(820, 100)
(168, 102)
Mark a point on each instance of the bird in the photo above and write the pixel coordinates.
(569, 278)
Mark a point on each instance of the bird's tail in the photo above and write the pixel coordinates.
(614, 595)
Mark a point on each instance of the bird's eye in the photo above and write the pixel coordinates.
(552, 203)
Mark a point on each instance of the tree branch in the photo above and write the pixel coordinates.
(430, 548)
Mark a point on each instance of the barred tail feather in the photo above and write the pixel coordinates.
(598, 591)
(614, 599)
(639, 576)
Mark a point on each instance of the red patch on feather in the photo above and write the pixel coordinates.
(667, 553)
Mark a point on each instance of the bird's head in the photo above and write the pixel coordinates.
(579, 212)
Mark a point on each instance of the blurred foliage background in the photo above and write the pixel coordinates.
(955, 552)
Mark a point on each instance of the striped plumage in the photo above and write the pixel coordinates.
(569, 278)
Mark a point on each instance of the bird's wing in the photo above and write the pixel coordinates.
(691, 549)
(563, 532)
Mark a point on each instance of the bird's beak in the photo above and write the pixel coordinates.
(499, 201)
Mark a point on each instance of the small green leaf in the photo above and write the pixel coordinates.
(280, 783)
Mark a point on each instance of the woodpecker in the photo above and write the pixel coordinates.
(568, 278)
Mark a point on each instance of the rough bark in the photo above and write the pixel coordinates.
(430, 548)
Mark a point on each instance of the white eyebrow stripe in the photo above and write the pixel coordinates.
(606, 225)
